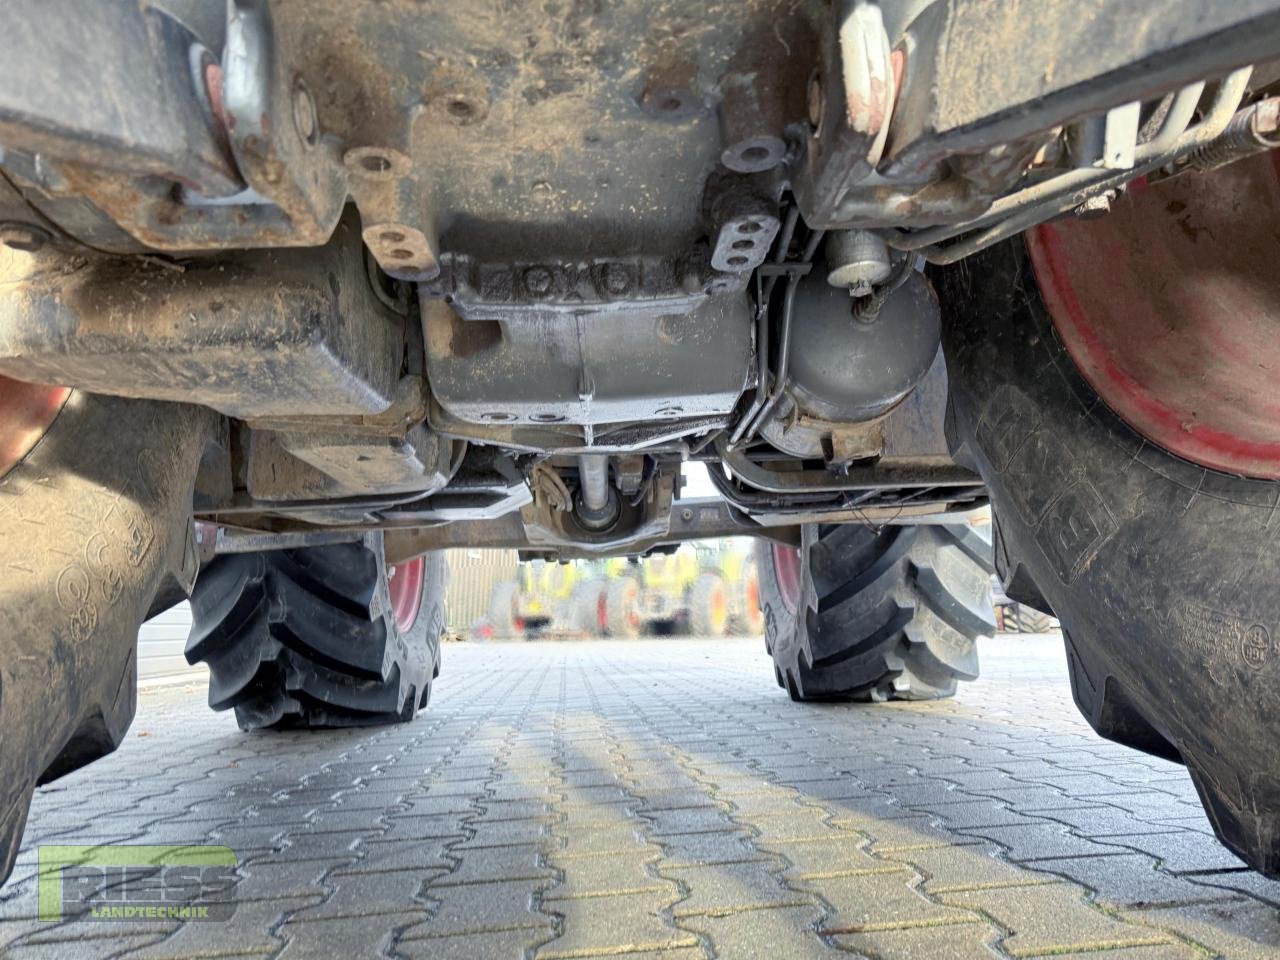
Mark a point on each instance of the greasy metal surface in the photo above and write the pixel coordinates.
(542, 288)
(546, 127)
(1068, 60)
(139, 116)
(850, 96)
(848, 371)
(639, 518)
(249, 334)
(689, 519)
(885, 474)
(592, 369)
(420, 460)
(1171, 308)
(593, 478)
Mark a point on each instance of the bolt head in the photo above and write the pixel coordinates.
(1266, 118)
(814, 100)
(23, 236)
(538, 281)
(304, 113)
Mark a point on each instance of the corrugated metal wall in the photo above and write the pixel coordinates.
(472, 576)
(160, 644)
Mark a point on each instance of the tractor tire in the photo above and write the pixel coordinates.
(319, 636)
(504, 610)
(872, 615)
(708, 606)
(1021, 618)
(95, 536)
(1162, 573)
(588, 606)
(622, 608)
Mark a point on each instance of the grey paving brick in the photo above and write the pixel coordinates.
(1130, 880)
(254, 923)
(968, 812)
(1098, 820)
(619, 924)
(973, 940)
(1056, 918)
(688, 820)
(504, 833)
(663, 799)
(1181, 851)
(1245, 882)
(784, 932)
(967, 867)
(350, 935)
(83, 949)
(1238, 929)
(482, 906)
(732, 887)
(500, 945)
(1042, 841)
(377, 855)
(697, 849)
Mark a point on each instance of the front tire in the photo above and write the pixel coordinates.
(319, 636)
(861, 614)
(95, 536)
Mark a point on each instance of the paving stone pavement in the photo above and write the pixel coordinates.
(663, 799)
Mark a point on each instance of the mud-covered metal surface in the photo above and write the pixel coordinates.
(556, 125)
(255, 334)
(590, 370)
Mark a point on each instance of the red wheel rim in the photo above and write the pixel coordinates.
(786, 568)
(26, 412)
(404, 583)
(1170, 308)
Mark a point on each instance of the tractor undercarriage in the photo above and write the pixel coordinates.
(479, 274)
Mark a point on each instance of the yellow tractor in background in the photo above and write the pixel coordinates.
(711, 589)
(543, 598)
(705, 590)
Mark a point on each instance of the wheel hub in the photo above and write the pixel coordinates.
(26, 411)
(404, 583)
(1170, 307)
(786, 566)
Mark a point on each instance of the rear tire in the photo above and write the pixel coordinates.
(1025, 619)
(1162, 573)
(877, 614)
(95, 536)
(309, 637)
